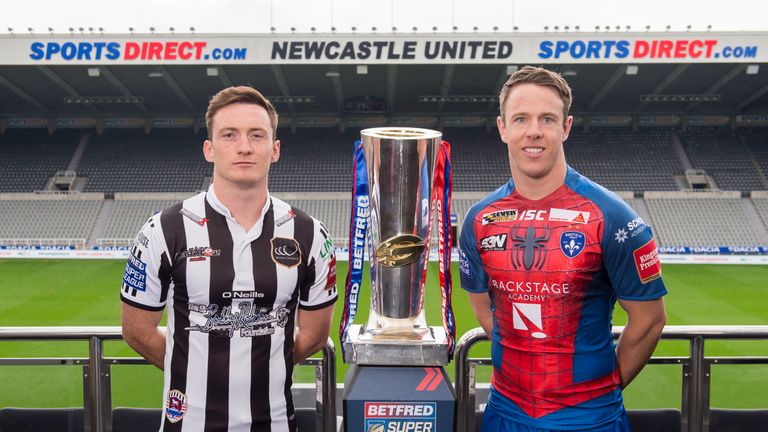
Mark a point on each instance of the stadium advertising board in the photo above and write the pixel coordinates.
(385, 48)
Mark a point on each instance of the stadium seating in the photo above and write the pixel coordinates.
(55, 220)
(28, 158)
(719, 152)
(479, 159)
(756, 141)
(623, 160)
(130, 161)
(333, 212)
(318, 160)
(761, 204)
(700, 219)
(129, 214)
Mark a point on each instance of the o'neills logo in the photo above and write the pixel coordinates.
(286, 252)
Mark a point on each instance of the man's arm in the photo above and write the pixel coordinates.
(645, 321)
(141, 333)
(481, 304)
(312, 329)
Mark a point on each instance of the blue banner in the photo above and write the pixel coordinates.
(358, 228)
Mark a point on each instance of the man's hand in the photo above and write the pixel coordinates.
(645, 321)
(141, 333)
(312, 329)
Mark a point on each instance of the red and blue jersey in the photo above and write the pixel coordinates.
(554, 269)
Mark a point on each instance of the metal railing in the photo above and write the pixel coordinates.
(97, 373)
(696, 370)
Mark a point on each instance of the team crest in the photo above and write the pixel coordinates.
(176, 406)
(286, 252)
(572, 243)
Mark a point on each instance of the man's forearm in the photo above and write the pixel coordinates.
(151, 346)
(305, 347)
(635, 348)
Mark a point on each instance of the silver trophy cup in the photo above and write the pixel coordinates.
(400, 163)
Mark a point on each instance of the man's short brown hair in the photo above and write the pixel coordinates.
(538, 76)
(241, 94)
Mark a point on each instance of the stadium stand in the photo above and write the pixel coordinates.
(333, 209)
(131, 211)
(479, 159)
(756, 141)
(317, 160)
(624, 160)
(131, 161)
(29, 157)
(761, 204)
(721, 154)
(701, 219)
(48, 219)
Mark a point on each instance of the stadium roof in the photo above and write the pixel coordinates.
(696, 74)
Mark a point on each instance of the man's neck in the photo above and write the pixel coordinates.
(537, 188)
(244, 204)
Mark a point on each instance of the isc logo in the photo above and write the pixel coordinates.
(529, 215)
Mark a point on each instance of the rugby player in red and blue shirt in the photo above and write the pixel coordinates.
(544, 259)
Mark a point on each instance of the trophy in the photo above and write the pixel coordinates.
(395, 194)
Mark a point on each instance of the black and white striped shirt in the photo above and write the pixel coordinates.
(231, 298)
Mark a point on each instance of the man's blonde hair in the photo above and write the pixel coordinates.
(541, 77)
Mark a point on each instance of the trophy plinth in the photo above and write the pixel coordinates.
(366, 348)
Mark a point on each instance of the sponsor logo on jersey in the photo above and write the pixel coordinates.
(647, 262)
(527, 315)
(529, 291)
(330, 283)
(529, 215)
(572, 243)
(529, 247)
(496, 242)
(142, 240)
(200, 253)
(248, 318)
(286, 252)
(621, 235)
(572, 216)
(500, 216)
(285, 218)
(636, 226)
(400, 417)
(464, 267)
(193, 217)
(176, 406)
(135, 275)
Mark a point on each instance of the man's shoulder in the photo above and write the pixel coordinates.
(497, 195)
(609, 203)
(285, 212)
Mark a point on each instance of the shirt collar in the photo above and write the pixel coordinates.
(216, 204)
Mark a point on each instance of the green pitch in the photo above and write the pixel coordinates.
(85, 293)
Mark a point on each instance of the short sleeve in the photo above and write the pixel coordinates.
(146, 277)
(631, 256)
(319, 287)
(473, 276)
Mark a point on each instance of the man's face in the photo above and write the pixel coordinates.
(534, 130)
(241, 145)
